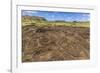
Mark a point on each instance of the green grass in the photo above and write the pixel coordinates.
(34, 21)
(78, 24)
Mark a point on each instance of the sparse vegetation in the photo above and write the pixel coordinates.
(29, 20)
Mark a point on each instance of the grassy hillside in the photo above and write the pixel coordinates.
(40, 21)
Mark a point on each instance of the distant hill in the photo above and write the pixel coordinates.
(32, 19)
(41, 21)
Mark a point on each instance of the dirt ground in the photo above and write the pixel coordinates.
(55, 43)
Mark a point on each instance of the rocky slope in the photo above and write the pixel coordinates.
(55, 43)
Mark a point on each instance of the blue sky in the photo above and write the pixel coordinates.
(62, 16)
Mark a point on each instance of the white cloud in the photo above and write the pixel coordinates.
(86, 15)
(31, 12)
